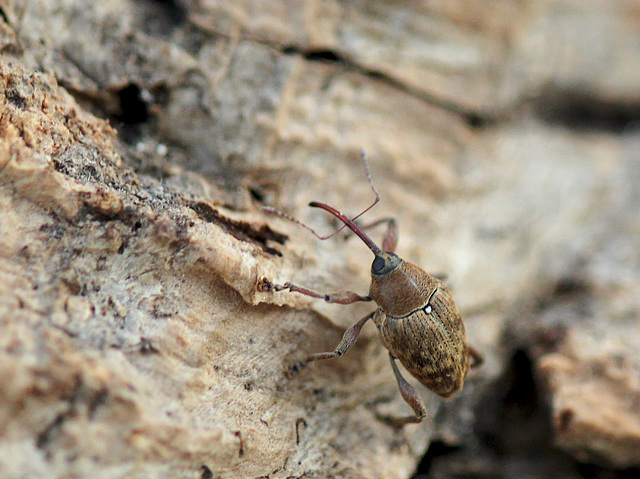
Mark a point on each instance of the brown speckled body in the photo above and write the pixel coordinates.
(424, 329)
(418, 321)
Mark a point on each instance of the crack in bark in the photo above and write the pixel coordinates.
(585, 111)
(240, 230)
(472, 118)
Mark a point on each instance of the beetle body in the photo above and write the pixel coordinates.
(424, 330)
(417, 318)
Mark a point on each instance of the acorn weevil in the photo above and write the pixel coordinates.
(417, 319)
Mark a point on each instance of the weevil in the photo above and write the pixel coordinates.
(417, 319)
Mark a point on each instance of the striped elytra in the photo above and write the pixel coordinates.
(429, 338)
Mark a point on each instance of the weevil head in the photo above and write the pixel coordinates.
(384, 263)
(399, 287)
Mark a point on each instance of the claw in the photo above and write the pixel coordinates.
(295, 368)
(265, 285)
(398, 423)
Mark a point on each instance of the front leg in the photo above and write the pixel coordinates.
(342, 297)
(349, 338)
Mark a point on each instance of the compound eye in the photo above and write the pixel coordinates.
(378, 264)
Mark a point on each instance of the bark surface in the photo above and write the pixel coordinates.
(139, 141)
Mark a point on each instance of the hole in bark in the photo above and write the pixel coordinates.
(99, 399)
(522, 393)
(133, 109)
(173, 10)
(146, 347)
(257, 194)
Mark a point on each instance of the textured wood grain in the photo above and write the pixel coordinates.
(138, 141)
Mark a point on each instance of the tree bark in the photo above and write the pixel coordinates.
(139, 142)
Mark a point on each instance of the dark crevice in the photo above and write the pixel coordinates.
(324, 56)
(436, 449)
(125, 108)
(579, 110)
(133, 109)
(571, 287)
(161, 17)
(132, 115)
(257, 194)
(77, 394)
(240, 230)
(511, 422)
(590, 471)
(471, 118)
(146, 347)
(583, 111)
(477, 121)
(516, 418)
(16, 99)
(513, 432)
(522, 394)
(205, 472)
(44, 437)
(4, 17)
(317, 55)
(98, 400)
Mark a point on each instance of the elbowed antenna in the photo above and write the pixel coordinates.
(350, 224)
(347, 222)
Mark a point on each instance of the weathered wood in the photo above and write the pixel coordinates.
(133, 338)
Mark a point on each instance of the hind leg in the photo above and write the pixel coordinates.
(410, 395)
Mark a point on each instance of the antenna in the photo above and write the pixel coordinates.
(350, 223)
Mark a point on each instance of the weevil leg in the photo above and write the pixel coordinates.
(349, 338)
(476, 356)
(390, 238)
(410, 395)
(342, 297)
